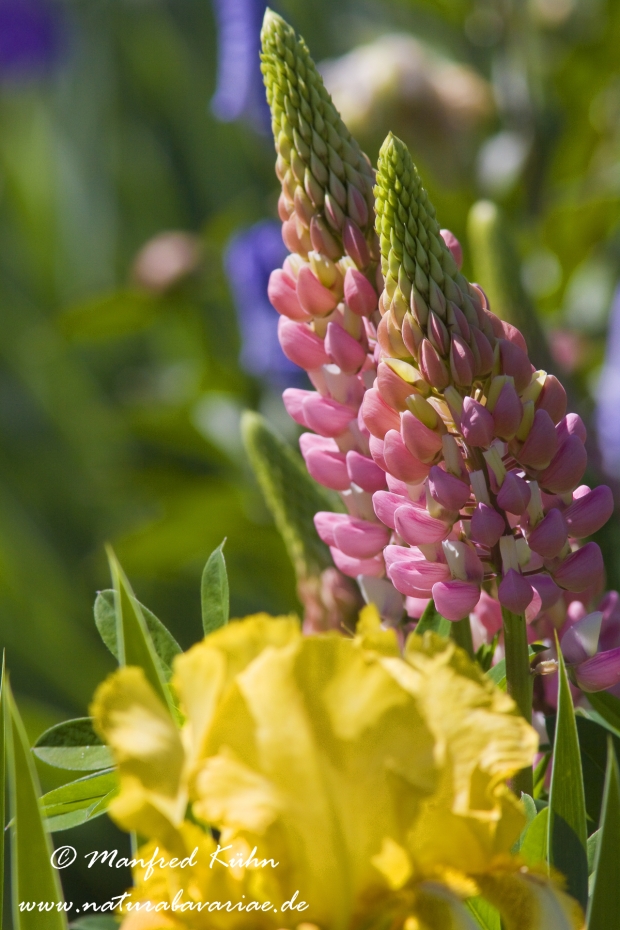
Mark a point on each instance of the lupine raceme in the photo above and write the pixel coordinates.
(327, 294)
(425, 401)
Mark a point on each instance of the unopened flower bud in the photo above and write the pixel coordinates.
(346, 351)
(514, 494)
(552, 398)
(385, 504)
(515, 592)
(323, 240)
(378, 417)
(487, 525)
(360, 539)
(359, 293)
(301, 345)
(462, 364)
(455, 600)
(326, 416)
(546, 587)
(400, 462)
(282, 294)
(541, 443)
(415, 577)
(352, 567)
(507, 412)
(365, 473)
(571, 425)
(454, 245)
(433, 367)
(580, 569)
(421, 441)
(513, 361)
(549, 537)
(313, 296)
(355, 244)
(566, 468)
(476, 423)
(590, 512)
(418, 527)
(447, 490)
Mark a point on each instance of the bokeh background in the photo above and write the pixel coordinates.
(138, 227)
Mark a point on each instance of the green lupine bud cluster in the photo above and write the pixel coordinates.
(431, 312)
(327, 198)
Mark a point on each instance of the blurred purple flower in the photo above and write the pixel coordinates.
(31, 38)
(240, 93)
(608, 396)
(250, 257)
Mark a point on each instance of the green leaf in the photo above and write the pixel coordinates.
(214, 592)
(432, 620)
(593, 842)
(3, 717)
(134, 643)
(293, 497)
(607, 706)
(83, 792)
(33, 877)
(73, 745)
(534, 842)
(486, 915)
(163, 641)
(531, 812)
(567, 806)
(604, 909)
(540, 773)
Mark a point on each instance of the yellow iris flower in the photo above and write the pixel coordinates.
(364, 788)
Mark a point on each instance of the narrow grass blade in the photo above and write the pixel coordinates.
(604, 910)
(214, 593)
(567, 836)
(33, 877)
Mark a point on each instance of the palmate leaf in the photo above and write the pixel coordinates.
(33, 877)
(292, 496)
(73, 745)
(164, 643)
(567, 834)
(214, 594)
(604, 909)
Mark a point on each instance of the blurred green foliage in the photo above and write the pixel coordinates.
(120, 402)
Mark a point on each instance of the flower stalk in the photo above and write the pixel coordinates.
(518, 682)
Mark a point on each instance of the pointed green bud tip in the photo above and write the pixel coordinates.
(324, 173)
(417, 265)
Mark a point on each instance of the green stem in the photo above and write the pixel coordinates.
(518, 682)
(461, 634)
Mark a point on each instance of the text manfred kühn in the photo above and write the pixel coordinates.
(220, 858)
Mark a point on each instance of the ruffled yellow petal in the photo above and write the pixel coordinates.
(148, 750)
